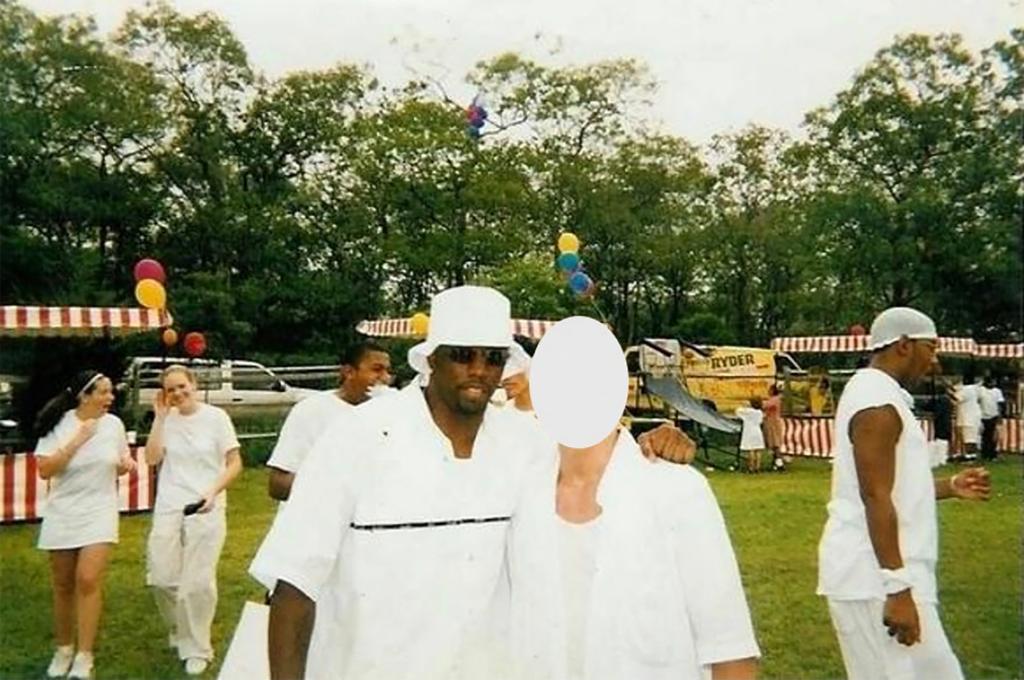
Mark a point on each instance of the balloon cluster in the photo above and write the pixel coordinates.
(571, 266)
(151, 294)
(476, 116)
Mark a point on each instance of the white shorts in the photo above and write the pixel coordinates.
(869, 653)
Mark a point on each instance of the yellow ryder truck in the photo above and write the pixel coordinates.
(723, 378)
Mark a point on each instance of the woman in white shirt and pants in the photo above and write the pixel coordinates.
(198, 453)
(82, 450)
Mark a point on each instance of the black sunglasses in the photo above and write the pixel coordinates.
(494, 356)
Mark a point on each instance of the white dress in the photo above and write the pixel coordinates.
(752, 438)
(82, 504)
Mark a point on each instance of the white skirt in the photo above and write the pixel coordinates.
(67, 533)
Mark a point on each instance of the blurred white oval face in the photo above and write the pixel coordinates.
(579, 382)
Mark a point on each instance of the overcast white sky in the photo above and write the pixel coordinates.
(720, 63)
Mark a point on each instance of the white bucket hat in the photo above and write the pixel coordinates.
(898, 322)
(468, 316)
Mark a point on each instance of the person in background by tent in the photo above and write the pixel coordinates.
(752, 438)
(879, 548)
(772, 426)
(990, 399)
(364, 365)
(968, 416)
(81, 451)
(199, 457)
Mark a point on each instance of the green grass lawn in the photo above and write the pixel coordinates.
(774, 519)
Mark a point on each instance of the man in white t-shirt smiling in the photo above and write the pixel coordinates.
(363, 366)
(880, 544)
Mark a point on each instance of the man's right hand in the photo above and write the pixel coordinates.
(900, 618)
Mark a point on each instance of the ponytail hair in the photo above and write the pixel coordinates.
(84, 382)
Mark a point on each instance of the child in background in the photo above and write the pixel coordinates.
(751, 438)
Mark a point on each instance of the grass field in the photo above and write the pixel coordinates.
(774, 519)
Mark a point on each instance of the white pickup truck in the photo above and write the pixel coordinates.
(236, 385)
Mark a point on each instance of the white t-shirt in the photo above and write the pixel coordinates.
(89, 482)
(752, 438)
(666, 591)
(847, 566)
(400, 544)
(307, 420)
(195, 455)
(969, 405)
(989, 399)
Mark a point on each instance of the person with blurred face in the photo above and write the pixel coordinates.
(81, 451)
(879, 549)
(620, 567)
(363, 366)
(199, 456)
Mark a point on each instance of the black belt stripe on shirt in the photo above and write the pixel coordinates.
(429, 525)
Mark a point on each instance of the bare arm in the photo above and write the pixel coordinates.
(232, 468)
(874, 433)
(280, 484)
(291, 624)
(155, 440)
(738, 669)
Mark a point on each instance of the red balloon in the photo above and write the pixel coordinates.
(857, 329)
(195, 344)
(150, 269)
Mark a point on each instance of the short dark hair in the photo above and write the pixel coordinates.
(355, 352)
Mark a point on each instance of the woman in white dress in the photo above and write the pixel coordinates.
(82, 450)
(198, 453)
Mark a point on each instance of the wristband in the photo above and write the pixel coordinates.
(895, 580)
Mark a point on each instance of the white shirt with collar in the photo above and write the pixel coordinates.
(989, 398)
(847, 566)
(665, 595)
(401, 544)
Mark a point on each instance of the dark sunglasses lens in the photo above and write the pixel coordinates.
(497, 357)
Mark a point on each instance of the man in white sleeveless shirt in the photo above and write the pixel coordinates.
(878, 552)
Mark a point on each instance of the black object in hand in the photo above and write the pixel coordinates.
(193, 508)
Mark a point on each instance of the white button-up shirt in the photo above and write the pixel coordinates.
(666, 599)
(401, 544)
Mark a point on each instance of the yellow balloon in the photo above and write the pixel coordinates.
(151, 294)
(420, 323)
(568, 243)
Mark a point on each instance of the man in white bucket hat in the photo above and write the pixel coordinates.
(393, 539)
(880, 544)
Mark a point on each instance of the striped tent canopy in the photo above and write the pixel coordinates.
(859, 343)
(28, 320)
(396, 328)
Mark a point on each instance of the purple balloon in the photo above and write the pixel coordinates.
(477, 122)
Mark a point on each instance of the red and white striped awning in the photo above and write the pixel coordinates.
(31, 320)
(1008, 350)
(396, 328)
(859, 343)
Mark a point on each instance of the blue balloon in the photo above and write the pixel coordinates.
(481, 113)
(476, 122)
(579, 283)
(568, 261)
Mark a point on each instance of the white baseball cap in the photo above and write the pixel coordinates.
(901, 322)
(469, 316)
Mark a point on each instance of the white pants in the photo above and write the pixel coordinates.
(869, 653)
(181, 566)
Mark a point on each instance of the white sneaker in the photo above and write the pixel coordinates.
(195, 666)
(61, 662)
(82, 666)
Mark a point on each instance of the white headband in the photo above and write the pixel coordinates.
(86, 386)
